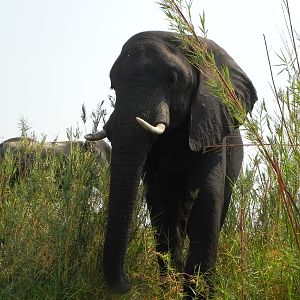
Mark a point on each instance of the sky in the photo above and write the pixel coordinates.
(56, 55)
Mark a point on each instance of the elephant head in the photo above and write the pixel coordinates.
(157, 89)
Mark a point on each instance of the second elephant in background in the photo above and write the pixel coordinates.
(24, 152)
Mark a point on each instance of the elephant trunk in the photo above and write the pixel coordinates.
(126, 170)
(130, 146)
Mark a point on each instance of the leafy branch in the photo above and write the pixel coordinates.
(179, 15)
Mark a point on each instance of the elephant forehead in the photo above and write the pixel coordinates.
(156, 52)
(159, 59)
(155, 45)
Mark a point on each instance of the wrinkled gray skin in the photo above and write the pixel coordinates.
(100, 149)
(188, 170)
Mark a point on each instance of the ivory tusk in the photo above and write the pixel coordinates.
(158, 129)
(96, 136)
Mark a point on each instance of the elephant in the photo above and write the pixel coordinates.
(170, 130)
(24, 149)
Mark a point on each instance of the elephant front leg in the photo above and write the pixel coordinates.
(207, 192)
(164, 202)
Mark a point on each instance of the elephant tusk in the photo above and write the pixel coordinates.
(96, 136)
(158, 129)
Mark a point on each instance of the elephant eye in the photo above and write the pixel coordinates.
(134, 52)
(129, 53)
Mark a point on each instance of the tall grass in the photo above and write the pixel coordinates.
(52, 229)
(52, 219)
(48, 226)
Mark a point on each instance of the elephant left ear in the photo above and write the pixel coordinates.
(210, 120)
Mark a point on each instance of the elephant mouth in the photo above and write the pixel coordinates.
(156, 130)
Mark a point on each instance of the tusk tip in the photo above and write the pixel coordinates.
(158, 129)
(88, 136)
(96, 136)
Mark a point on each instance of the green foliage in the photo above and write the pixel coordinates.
(52, 224)
(49, 224)
(52, 231)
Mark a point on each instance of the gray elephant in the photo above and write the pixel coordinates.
(168, 129)
(24, 149)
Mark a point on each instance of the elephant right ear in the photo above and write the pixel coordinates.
(210, 120)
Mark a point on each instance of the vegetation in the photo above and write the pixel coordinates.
(52, 219)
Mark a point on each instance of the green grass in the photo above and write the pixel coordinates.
(52, 238)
